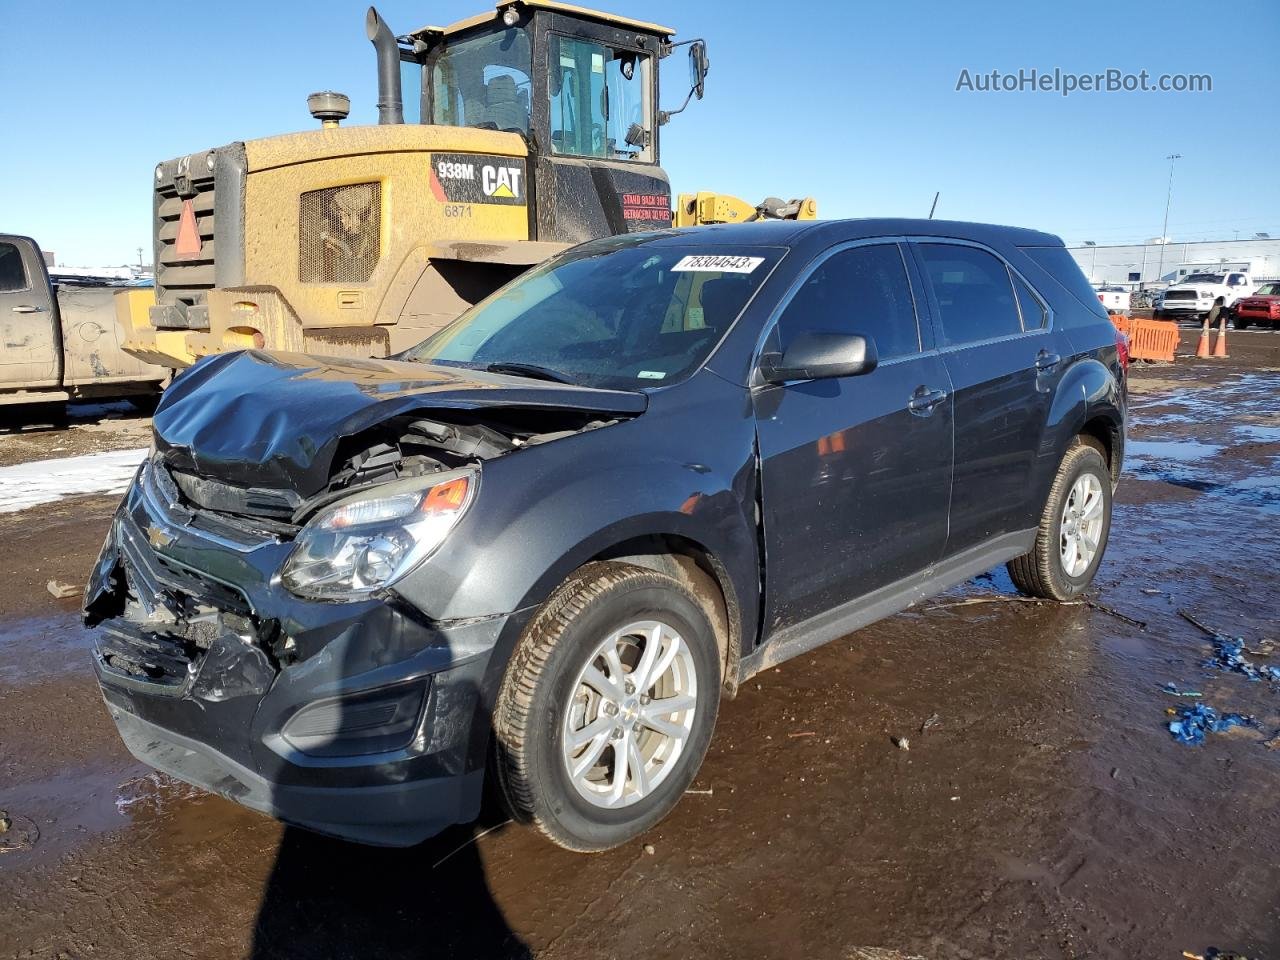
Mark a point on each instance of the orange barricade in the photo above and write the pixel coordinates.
(1148, 339)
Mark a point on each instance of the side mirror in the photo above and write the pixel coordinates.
(820, 356)
(698, 67)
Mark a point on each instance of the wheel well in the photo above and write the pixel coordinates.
(1105, 436)
(689, 562)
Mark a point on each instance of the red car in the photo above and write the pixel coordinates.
(1261, 307)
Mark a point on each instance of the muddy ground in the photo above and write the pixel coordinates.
(1045, 812)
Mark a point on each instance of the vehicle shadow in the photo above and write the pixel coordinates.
(328, 898)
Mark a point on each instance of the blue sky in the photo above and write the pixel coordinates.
(853, 103)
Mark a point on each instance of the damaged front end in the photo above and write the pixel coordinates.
(249, 636)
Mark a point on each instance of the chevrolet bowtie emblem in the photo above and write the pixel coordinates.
(158, 538)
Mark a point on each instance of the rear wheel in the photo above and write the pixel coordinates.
(607, 707)
(1073, 531)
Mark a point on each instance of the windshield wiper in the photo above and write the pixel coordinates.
(528, 370)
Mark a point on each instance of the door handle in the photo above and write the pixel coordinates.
(26, 308)
(1046, 360)
(924, 400)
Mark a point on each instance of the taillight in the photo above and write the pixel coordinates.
(1122, 350)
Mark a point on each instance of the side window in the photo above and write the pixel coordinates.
(411, 90)
(596, 94)
(974, 294)
(862, 290)
(1034, 315)
(13, 276)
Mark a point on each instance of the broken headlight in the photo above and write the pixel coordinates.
(371, 540)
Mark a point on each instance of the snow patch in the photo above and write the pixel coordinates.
(27, 485)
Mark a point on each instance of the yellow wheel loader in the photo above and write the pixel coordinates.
(501, 140)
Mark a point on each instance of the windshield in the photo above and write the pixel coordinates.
(1203, 278)
(1269, 290)
(484, 82)
(616, 313)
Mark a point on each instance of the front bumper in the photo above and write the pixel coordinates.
(230, 713)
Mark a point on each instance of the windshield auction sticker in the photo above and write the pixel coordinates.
(713, 263)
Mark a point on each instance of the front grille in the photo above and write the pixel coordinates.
(228, 498)
(140, 654)
(339, 231)
(1180, 295)
(185, 277)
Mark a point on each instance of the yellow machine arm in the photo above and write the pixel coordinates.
(698, 209)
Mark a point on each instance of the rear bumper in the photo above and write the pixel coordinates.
(393, 814)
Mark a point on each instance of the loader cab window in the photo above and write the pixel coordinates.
(411, 90)
(484, 82)
(598, 94)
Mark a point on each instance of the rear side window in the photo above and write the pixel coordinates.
(862, 290)
(13, 276)
(1034, 315)
(1060, 265)
(975, 296)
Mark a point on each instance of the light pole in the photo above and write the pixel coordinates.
(1168, 199)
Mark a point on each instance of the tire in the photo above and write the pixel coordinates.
(1043, 571)
(545, 697)
(1241, 323)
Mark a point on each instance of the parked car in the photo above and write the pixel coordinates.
(552, 536)
(1262, 308)
(1193, 297)
(61, 342)
(1113, 299)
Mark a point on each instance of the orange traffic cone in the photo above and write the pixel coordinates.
(1202, 348)
(1220, 344)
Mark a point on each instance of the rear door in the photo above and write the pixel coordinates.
(30, 352)
(1004, 360)
(856, 471)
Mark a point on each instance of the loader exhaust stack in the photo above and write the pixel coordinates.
(390, 102)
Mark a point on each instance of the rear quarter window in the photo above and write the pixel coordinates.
(1062, 267)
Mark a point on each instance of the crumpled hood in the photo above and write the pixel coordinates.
(259, 418)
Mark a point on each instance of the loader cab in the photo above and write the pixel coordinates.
(581, 87)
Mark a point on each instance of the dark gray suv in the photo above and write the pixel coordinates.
(545, 542)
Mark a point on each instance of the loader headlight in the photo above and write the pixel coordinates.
(371, 540)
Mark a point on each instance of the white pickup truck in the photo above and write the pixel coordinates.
(1193, 296)
(62, 342)
(1114, 299)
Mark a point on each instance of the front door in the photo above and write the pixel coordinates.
(29, 348)
(1004, 360)
(856, 471)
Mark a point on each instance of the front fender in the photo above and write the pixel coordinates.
(685, 468)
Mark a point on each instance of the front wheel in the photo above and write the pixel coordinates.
(1073, 531)
(607, 706)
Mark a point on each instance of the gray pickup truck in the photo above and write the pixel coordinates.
(61, 342)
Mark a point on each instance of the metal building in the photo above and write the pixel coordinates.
(1134, 264)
